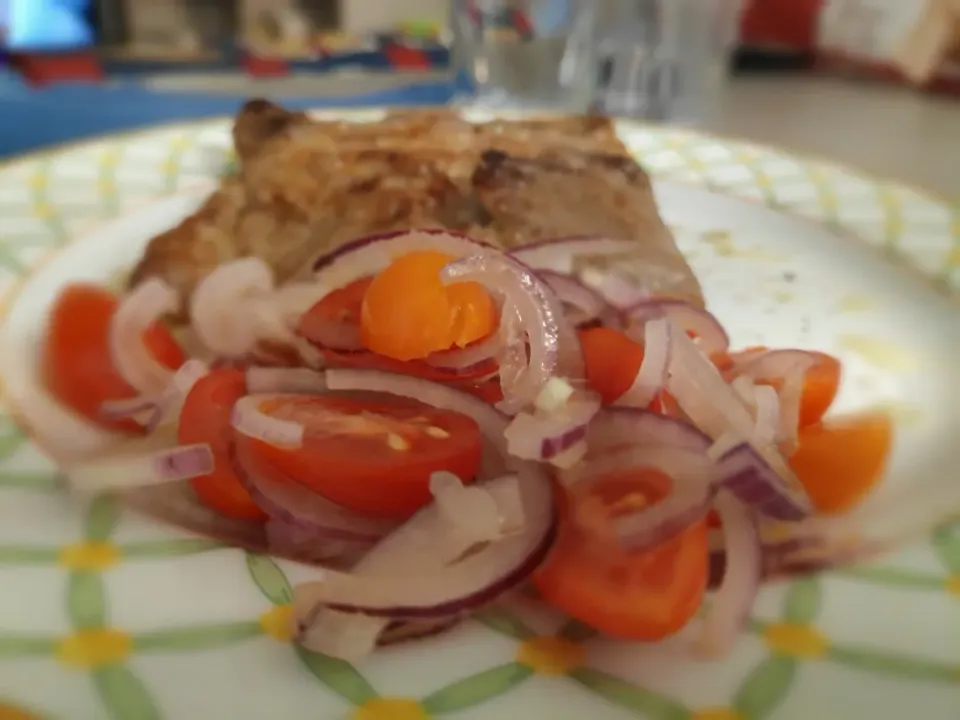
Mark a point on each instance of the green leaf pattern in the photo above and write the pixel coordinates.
(476, 689)
(268, 576)
(802, 604)
(765, 688)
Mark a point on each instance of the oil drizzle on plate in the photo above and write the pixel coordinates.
(879, 353)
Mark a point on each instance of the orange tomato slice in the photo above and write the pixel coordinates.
(840, 461)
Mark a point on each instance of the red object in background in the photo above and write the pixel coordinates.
(264, 67)
(406, 58)
(40, 69)
(786, 24)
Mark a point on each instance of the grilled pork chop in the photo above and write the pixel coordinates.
(304, 187)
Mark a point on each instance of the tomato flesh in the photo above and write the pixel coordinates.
(344, 306)
(76, 363)
(205, 418)
(373, 456)
(839, 462)
(645, 595)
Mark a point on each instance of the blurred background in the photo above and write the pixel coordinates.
(871, 82)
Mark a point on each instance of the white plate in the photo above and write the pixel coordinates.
(104, 614)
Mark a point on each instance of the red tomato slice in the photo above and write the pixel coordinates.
(631, 595)
(611, 360)
(205, 418)
(343, 306)
(373, 456)
(841, 461)
(76, 363)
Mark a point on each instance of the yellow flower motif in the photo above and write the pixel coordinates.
(953, 258)
(10, 712)
(277, 622)
(93, 556)
(800, 641)
(91, 649)
(551, 655)
(390, 709)
(38, 181)
(42, 210)
(953, 585)
(717, 714)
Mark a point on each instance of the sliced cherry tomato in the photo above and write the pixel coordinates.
(373, 456)
(344, 306)
(76, 362)
(408, 312)
(839, 462)
(631, 595)
(612, 361)
(205, 418)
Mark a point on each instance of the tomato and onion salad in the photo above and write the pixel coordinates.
(358, 455)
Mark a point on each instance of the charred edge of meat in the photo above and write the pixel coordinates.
(495, 166)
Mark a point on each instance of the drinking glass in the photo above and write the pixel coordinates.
(525, 53)
(666, 59)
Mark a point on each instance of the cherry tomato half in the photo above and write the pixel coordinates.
(373, 456)
(76, 360)
(645, 595)
(205, 418)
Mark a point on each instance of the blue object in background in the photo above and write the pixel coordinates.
(39, 25)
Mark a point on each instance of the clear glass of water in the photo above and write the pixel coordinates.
(666, 60)
(525, 53)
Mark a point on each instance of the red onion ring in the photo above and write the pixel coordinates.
(137, 311)
(584, 304)
(381, 585)
(791, 367)
(151, 412)
(471, 359)
(652, 374)
(548, 436)
(369, 255)
(123, 470)
(716, 409)
(287, 500)
(693, 477)
(733, 600)
(619, 427)
(711, 336)
(544, 328)
(748, 475)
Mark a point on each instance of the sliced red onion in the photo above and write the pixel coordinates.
(693, 477)
(401, 632)
(711, 337)
(749, 476)
(177, 504)
(790, 367)
(553, 346)
(547, 436)
(370, 255)
(381, 585)
(155, 411)
(262, 380)
(471, 359)
(716, 409)
(218, 306)
(584, 304)
(614, 268)
(302, 544)
(141, 308)
(476, 514)
(618, 427)
(125, 470)
(287, 500)
(347, 636)
(767, 412)
(492, 424)
(652, 375)
(731, 604)
(248, 419)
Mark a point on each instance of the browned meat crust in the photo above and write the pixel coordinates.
(304, 187)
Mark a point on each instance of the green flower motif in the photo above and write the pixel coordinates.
(124, 695)
(86, 600)
(269, 578)
(646, 703)
(103, 516)
(476, 689)
(802, 603)
(339, 676)
(765, 688)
